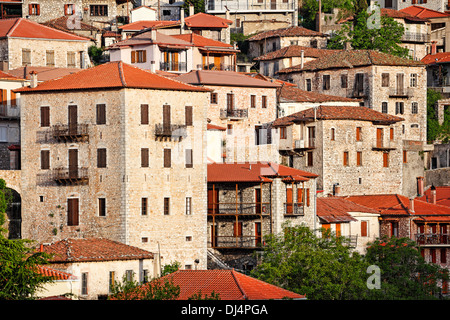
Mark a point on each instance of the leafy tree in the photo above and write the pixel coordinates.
(170, 268)
(20, 278)
(319, 267)
(96, 54)
(433, 127)
(199, 6)
(364, 36)
(404, 273)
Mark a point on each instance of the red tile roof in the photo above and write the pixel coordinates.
(295, 51)
(204, 20)
(395, 204)
(295, 31)
(63, 23)
(199, 41)
(425, 13)
(8, 76)
(254, 172)
(55, 274)
(345, 59)
(111, 75)
(24, 28)
(337, 113)
(93, 249)
(44, 73)
(442, 196)
(228, 284)
(147, 24)
(440, 57)
(337, 210)
(290, 93)
(224, 78)
(145, 38)
(396, 14)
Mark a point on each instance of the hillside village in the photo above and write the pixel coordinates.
(135, 134)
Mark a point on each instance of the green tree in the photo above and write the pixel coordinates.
(199, 6)
(95, 54)
(319, 267)
(170, 268)
(20, 278)
(404, 273)
(433, 127)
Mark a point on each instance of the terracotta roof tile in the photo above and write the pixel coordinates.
(204, 20)
(290, 93)
(442, 195)
(44, 73)
(55, 274)
(396, 14)
(147, 24)
(9, 76)
(93, 249)
(295, 51)
(295, 31)
(440, 57)
(224, 78)
(111, 75)
(200, 41)
(337, 113)
(145, 38)
(24, 28)
(228, 284)
(337, 210)
(425, 13)
(353, 58)
(62, 24)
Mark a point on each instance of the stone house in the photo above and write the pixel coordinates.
(246, 107)
(247, 201)
(273, 40)
(97, 264)
(438, 5)
(438, 67)
(120, 153)
(24, 42)
(353, 150)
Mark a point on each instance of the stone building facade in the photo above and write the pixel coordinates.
(129, 165)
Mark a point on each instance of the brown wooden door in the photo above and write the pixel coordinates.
(311, 136)
(379, 137)
(73, 119)
(258, 234)
(72, 212)
(258, 200)
(166, 118)
(213, 201)
(289, 201)
(400, 83)
(73, 163)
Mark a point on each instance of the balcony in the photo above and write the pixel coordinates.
(432, 239)
(241, 242)
(358, 92)
(9, 112)
(416, 37)
(239, 208)
(381, 145)
(173, 66)
(66, 133)
(233, 114)
(70, 176)
(293, 209)
(401, 92)
(213, 66)
(176, 131)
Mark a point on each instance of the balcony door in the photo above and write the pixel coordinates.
(289, 201)
(379, 137)
(258, 200)
(73, 163)
(400, 83)
(166, 118)
(258, 234)
(73, 119)
(213, 201)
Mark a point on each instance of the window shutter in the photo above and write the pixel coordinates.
(307, 197)
(13, 98)
(101, 114)
(300, 195)
(38, 9)
(144, 56)
(144, 157)
(4, 97)
(45, 116)
(30, 9)
(188, 115)
(363, 228)
(144, 113)
(101, 158)
(167, 158)
(72, 212)
(133, 56)
(45, 159)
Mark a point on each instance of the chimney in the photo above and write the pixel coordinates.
(302, 59)
(153, 34)
(419, 186)
(336, 189)
(433, 47)
(33, 79)
(411, 205)
(191, 9)
(182, 24)
(433, 194)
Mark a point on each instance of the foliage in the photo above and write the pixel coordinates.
(20, 278)
(199, 296)
(96, 54)
(170, 268)
(362, 36)
(320, 268)
(310, 8)
(199, 6)
(404, 273)
(435, 131)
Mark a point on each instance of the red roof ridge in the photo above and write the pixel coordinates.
(245, 296)
(121, 74)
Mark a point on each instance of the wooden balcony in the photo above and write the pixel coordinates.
(68, 133)
(401, 92)
(71, 176)
(233, 114)
(214, 66)
(9, 112)
(381, 145)
(292, 209)
(239, 208)
(234, 242)
(177, 131)
(433, 239)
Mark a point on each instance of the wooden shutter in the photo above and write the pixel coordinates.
(73, 163)
(289, 201)
(13, 98)
(101, 114)
(45, 116)
(300, 195)
(345, 158)
(73, 119)
(4, 97)
(338, 229)
(144, 113)
(167, 158)
(391, 133)
(45, 159)
(385, 79)
(101, 158)
(379, 137)
(307, 197)
(359, 158)
(264, 101)
(144, 157)
(133, 56)
(358, 133)
(38, 9)
(166, 118)
(30, 9)
(385, 159)
(72, 212)
(363, 228)
(188, 115)
(237, 229)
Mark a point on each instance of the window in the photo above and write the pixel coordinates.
(144, 206)
(326, 82)
(433, 255)
(237, 229)
(188, 206)
(166, 13)
(213, 97)
(414, 108)
(413, 80)
(188, 238)
(26, 57)
(45, 159)
(230, 101)
(102, 207)
(50, 58)
(188, 115)
(344, 81)
(138, 56)
(144, 158)
(384, 107)
(394, 229)
(385, 159)
(166, 206)
(101, 113)
(399, 108)
(309, 162)
(144, 113)
(112, 280)
(333, 134)
(253, 101)
(263, 135)
(391, 134)
(84, 283)
(264, 101)
(71, 59)
(34, 9)
(129, 275)
(72, 212)
(364, 229)
(101, 158)
(346, 159)
(45, 116)
(358, 133)
(189, 160)
(69, 9)
(3, 134)
(99, 10)
(359, 83)
(308, 85)
(359, 158)
(167, 158)
(443, 255)
(283, 134)
(385, 79)
(405, 156)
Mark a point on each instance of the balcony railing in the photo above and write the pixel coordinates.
(233, 113)
(68, 176)
(401, 92)
(250, 242)
(213, 66)
(432, 238)
(12, 111)
(173, 130)
(293, 209)
(381, 144)
(416, 37)
(241, 208)
(172, 66)
(63, 132)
